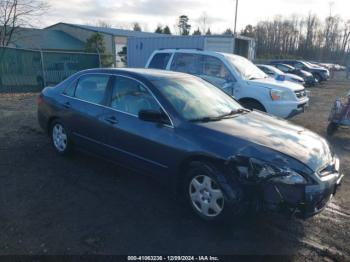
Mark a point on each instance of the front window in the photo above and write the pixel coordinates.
(130, 96)
(194, 98)
(245, 68)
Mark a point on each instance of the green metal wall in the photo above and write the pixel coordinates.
(28, 70)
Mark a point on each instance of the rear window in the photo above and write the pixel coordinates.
(92, 88)
(160, 61)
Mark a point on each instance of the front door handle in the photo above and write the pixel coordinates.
(111, 120)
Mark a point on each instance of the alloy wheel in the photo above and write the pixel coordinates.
(59, 137)
(206, 196)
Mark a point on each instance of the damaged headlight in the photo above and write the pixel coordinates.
(254, 169)
(277, 174)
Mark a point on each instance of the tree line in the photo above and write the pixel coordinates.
(306, 37)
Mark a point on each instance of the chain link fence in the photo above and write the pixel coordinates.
(24, 70)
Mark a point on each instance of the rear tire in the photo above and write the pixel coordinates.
(331, 129)
(253, 105)
(60, 138)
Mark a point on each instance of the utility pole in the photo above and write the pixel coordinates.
(235, 28)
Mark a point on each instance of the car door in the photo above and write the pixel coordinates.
(85, 103)
(216, 72)
(207, 67)
(135, 143)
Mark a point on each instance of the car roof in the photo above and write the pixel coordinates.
(195, 51)
(149, 74)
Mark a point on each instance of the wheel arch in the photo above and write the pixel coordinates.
(185, 164)
(250, 99)
(49, 123)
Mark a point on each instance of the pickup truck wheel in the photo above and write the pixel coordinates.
(253, 104)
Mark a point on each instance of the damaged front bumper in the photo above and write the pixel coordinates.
(302, 201)
(282, 190)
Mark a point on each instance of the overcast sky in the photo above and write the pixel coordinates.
(149, 13)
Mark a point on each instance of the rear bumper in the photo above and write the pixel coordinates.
(42, 120)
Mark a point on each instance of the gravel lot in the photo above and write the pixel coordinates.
(84, 205)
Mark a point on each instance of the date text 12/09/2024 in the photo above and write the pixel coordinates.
(173, 258)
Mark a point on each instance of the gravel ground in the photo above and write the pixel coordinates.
(84, 205)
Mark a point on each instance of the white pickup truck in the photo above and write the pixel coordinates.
(238, 77)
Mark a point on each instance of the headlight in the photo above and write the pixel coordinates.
(281, 94)
(267, 171)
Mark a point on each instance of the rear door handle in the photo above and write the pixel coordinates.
(111, 120)
(67, 105)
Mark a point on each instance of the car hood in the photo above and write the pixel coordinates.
(306, 73)
(276, 134)
(273, 83)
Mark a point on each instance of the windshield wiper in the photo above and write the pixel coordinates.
(218, 118)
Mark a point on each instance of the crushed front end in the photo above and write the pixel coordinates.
(274, 186)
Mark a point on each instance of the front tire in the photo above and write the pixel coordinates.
(253, 105)
(60, 138)
(204, 194)
(318, 78)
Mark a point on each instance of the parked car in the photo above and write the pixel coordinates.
(309, 79)
(320, 73)
(238, 77)
(279, 75)
(222, 158)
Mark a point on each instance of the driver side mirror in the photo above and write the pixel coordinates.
(154, 116)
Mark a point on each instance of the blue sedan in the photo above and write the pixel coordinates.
(222, 158)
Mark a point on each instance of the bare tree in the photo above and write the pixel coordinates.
(203, 22)
(306, 37)
(102, 23)
(346, 36)
(18, 13)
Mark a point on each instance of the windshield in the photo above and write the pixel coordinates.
(194, 98)
(274, 69)
(245, 68)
